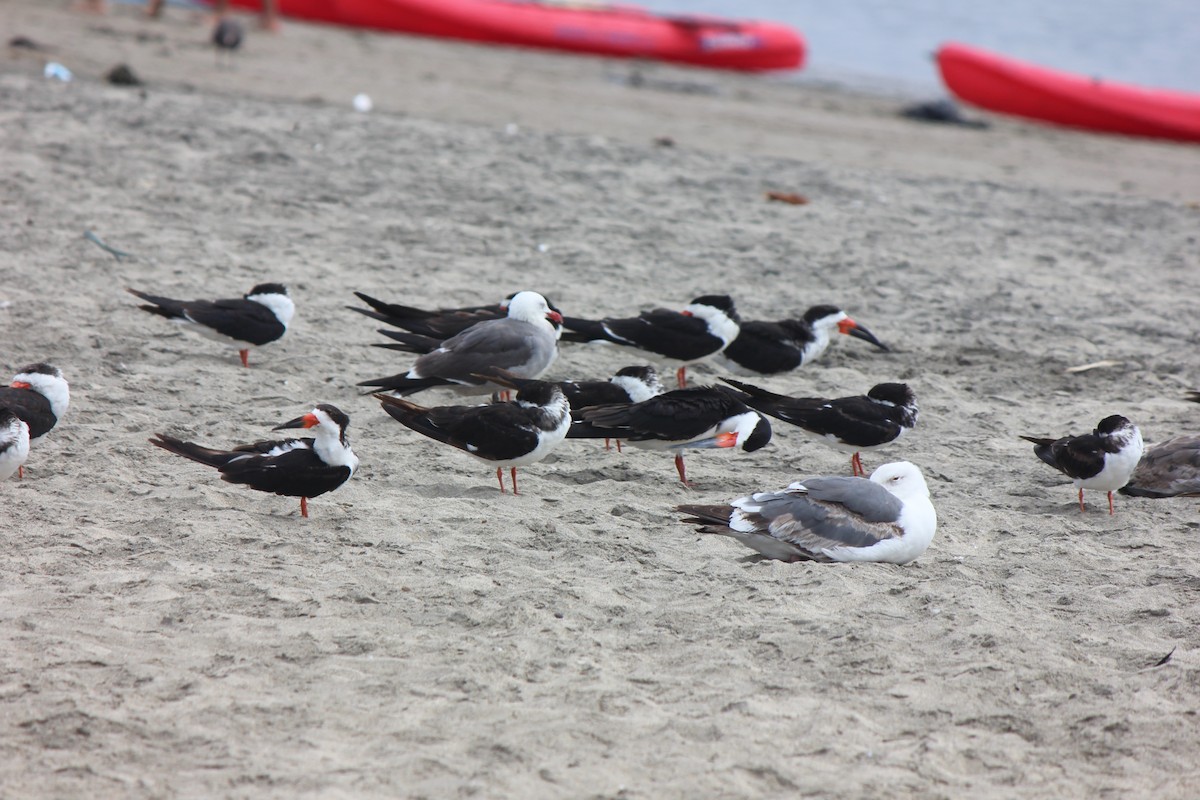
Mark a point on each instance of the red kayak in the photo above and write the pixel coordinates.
(600, 29)
(1013, 87)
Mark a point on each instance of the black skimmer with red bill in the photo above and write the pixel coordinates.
(260, 317)
(767, 348)
(704, 328)
(1104, 459)
(1168, 469)
(849, 424)
(14, 442)
(700, 418)
(523, 343)
(499, 434)
(888, 518)
(40, 396)
(301, 468)
(442, 323)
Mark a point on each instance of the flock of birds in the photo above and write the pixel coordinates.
(504, 348)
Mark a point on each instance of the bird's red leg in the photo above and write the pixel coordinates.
(1110, 505)
(500, 477)
(21, 473)
(514, 477)
(681, 470)
(1081, 500)
(245, 354)
(681, 377)
(304, 507)
(618, 445)
(607, 446)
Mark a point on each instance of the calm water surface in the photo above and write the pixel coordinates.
(887, 44)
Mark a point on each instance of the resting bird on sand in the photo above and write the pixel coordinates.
(1168, 469)
(849, 424)
(699, 418)
(39, 396)
(1103, 459)
(766, 348)
(501, 434)
(260, 317)
(442, 323)
(704, 328)
(524, 343)
(301, 468)
(888, 518)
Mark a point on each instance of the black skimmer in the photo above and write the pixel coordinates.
(258, 318)
(699, 418)
(500, 434)
(14, 442)
(301, 468)
(1104, 459)
(227, 35)
(704, 328)
(1168, 469)
(888, 519)
(523, 343)
(442, 323)
(849, 424)
(40, 396)
(766, 348)
(629, 385)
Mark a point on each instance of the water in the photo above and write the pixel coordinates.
(887, 45)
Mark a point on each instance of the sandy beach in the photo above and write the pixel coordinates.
(167, 635)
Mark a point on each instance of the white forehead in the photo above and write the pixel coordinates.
(527, 303)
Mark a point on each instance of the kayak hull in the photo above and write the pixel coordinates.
(617, 30)
(1008, 86)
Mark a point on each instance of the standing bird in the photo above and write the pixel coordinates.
(39, 395)
(849, 424)
(14, 442)
(629, 385)
(301, 468)
(227, 37)
(524, 343)
(1104, 459)
(766, 348)
(501, 434)
(438, 324)
(258, 318)
(888, 518)
(700, 418)
(704, 328)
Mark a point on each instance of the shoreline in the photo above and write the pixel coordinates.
(709, 110)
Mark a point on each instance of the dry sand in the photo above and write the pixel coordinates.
(168, 635)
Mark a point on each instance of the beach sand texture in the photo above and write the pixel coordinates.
(165, 634)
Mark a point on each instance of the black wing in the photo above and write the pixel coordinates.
(1074, 456)
(295, 473)
(496, 432)
(440, 324)
(765, 347)
(240, 319)
(856, 421)
(673, 416)
(666, 332)
(32, 407)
